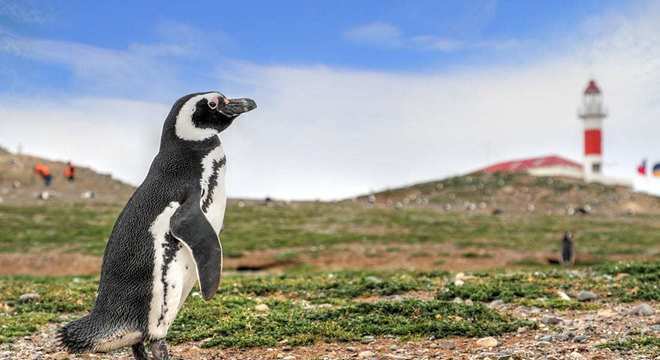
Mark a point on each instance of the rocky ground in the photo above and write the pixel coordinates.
(559, 335)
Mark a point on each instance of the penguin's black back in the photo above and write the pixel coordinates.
(125, 287)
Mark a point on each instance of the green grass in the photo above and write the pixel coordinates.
(539, 288)
(303, 309)
(85, 229)
(640, 344)
(310, 307)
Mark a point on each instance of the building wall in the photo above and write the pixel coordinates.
(557, 171)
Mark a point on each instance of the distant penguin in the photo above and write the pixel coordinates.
(567, 249)
(166, 239)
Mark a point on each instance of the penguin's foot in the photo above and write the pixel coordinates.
(159, 350)
(139, 352)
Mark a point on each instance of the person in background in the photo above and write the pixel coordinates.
(69, 172)
(44, 172)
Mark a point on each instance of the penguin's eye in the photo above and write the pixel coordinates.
(212, 105)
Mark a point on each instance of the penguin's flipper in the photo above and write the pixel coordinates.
(189, 225)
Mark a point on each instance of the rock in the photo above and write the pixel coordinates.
(366, 354)
(261, 308)
(448, 345)
(562, 295)
(29, 297)
(642, 310)
(606, 313)
(459, 282)
(550, 320)
(487, 342)
(575, 356)
(457, 300)
(586, 296)
(568, 335)
(59, 356)
(468, 302)
(655, 328)
(547, 338)
(496, 304)
(580, 338)
(367, 339)
(373, 279)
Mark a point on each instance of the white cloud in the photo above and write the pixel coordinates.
(110, 135)
(327, 132)
(376, 33)
(386, 35)
(143, 70)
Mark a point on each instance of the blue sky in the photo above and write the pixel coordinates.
(369, 35)
(353, 95)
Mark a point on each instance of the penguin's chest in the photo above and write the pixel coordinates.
(174, 275)
(213, 197)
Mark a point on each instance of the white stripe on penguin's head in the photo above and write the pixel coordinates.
(185, 127)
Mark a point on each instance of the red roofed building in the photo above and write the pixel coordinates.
(541, 166)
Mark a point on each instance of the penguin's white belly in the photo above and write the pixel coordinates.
(174, 275)
(175, 271)
(213, 199)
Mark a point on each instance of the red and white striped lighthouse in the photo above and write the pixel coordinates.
(592, 114)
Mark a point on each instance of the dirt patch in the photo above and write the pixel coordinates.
(392, 256)
(51, 264)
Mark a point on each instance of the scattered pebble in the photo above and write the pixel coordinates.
(550, 320)
(562, 295)
(580, 338)
(59, 356)
(496, 303)
(642, 310)
(261, 308)
(487, 342)
(575, 356)
(606, 313)
(373, 279)
(587, 296)
(366, 354)
(29, 297)
(368, 339)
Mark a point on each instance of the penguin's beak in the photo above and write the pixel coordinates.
(235, 107)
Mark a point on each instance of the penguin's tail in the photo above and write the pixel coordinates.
(79, 335)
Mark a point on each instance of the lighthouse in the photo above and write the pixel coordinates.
(592, 114)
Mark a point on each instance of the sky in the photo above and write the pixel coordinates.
(353, 96)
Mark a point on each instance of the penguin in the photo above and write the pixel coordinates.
(567, 249)
(167, 238)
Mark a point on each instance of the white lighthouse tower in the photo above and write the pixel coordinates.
(592, 114)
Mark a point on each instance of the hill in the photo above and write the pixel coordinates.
(20, 185)
(517, 193)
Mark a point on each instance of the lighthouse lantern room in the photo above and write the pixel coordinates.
(592, 114)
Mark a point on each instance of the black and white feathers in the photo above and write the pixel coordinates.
(166, 238)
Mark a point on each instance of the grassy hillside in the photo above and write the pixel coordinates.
(20, 185)
(518, 193)
(308, 227)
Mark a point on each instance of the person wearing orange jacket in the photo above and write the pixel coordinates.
(69, 172)
(44, 172)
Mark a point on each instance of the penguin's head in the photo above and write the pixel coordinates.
(200, 116)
